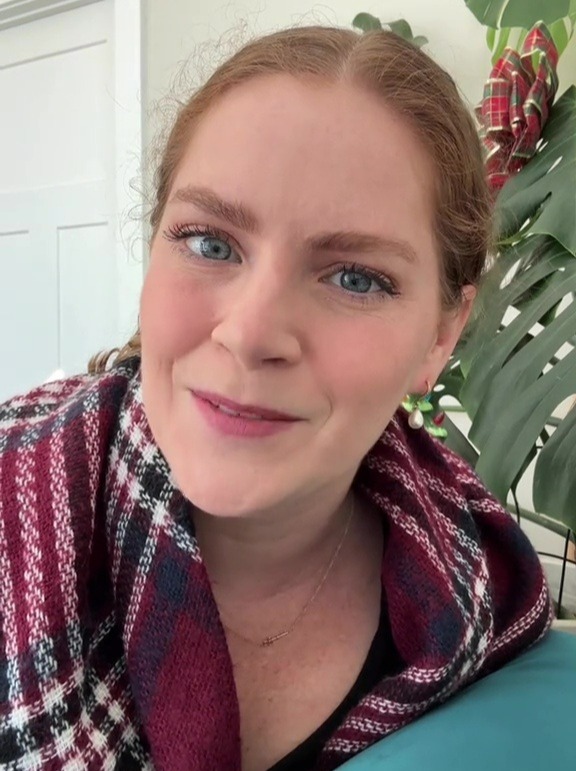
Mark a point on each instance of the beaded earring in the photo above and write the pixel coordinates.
(423, 413)
(416, 405)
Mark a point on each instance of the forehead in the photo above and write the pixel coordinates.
(301, 151)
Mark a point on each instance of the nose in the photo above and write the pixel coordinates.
(257, 322)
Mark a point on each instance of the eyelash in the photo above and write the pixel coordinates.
(180, 232)
(177, 233)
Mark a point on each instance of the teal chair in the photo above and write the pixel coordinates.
(520, 718)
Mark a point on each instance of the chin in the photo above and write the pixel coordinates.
(220, 497)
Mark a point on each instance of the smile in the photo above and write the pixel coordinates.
(246, 423)
(245, 415)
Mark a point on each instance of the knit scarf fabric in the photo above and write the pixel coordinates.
(112, 652)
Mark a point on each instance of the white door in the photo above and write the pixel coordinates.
(61, 269)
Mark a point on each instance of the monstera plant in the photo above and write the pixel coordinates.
(514, 372)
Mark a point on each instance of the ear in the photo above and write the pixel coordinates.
(450, 327)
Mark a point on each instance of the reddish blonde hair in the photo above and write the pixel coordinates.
(407, 80)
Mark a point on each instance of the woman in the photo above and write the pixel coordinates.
(231, 550)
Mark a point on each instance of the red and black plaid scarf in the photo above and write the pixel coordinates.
(112, 654)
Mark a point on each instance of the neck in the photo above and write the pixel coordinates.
(260, 556)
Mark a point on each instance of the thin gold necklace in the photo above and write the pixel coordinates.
(268, 641)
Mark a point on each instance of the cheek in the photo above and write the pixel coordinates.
(371, 364)
(174, 317)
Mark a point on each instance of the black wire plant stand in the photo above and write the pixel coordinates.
(570, 537)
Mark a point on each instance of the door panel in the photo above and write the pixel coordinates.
(58, 261)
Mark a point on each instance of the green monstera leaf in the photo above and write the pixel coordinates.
(554, 472)
(498, 40)
(545, 190)
(518, 365)
(366, 22)
(508, 21)
(519, 13)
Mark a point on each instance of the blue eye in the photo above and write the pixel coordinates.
(211, 247)
(204, 242)
(356, 279)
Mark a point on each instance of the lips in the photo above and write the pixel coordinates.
(251, 411)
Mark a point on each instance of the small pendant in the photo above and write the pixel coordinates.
(271, 640)
(416, 419)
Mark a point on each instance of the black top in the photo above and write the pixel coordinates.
(382, 659)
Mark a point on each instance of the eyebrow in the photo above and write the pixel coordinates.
(362, 243)
(241, 217)
(210, 203)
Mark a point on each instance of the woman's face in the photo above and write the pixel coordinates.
(295, 269)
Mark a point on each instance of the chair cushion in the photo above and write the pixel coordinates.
(520, 717)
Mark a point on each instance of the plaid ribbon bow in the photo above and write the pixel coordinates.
(515, 105)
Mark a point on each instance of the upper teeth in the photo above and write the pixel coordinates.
(238, 414)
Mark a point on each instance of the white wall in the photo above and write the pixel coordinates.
(175, 28)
